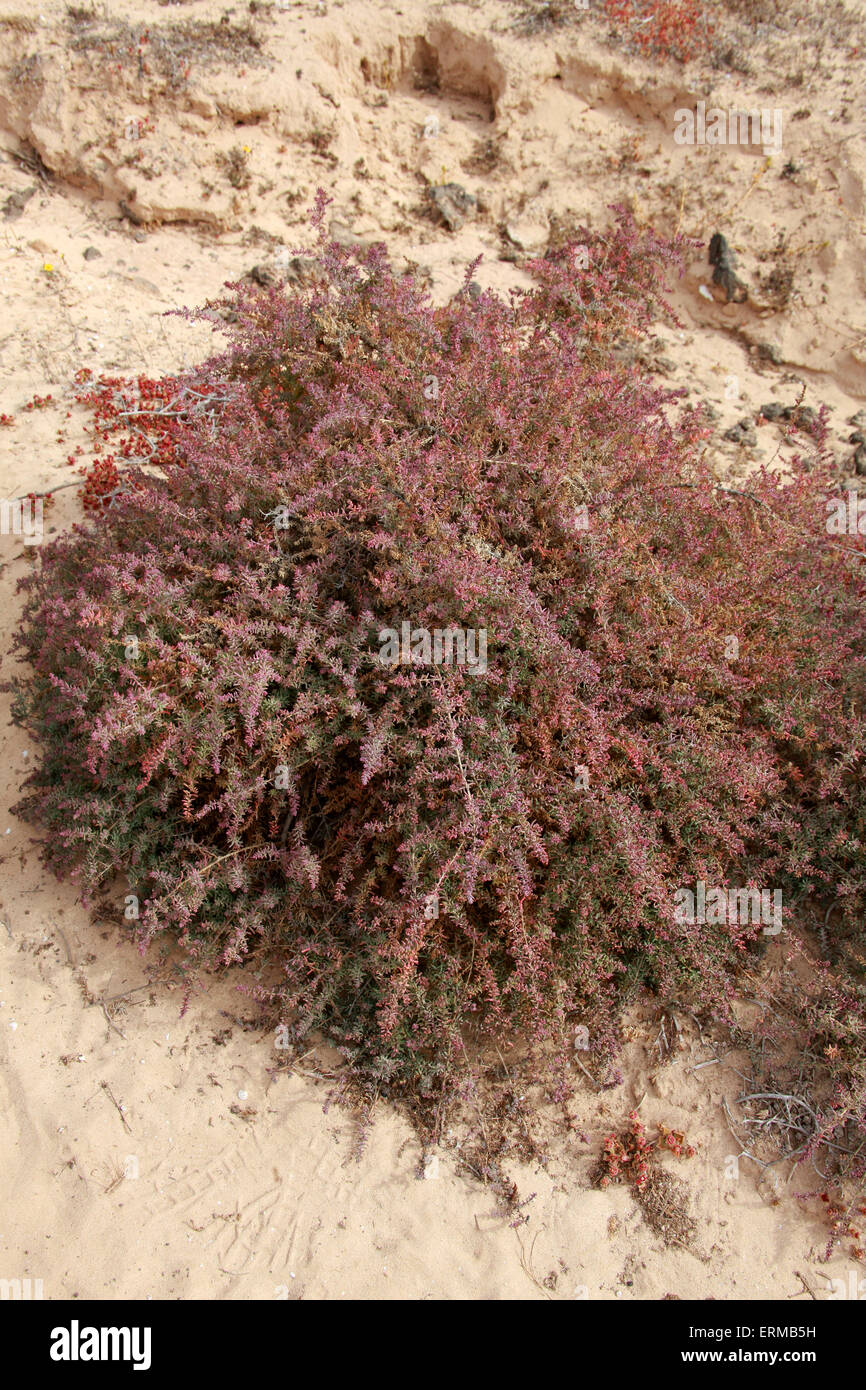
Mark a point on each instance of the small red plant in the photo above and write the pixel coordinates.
(626, 1157)
(842, 1227)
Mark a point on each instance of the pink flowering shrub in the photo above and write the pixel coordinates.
(415, 845)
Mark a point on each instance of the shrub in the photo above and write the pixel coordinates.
(422, 847)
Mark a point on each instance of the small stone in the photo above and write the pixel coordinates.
(131, 214)
(302, 270)
(723, 260)
(344, 236)
(473, 290)
(453, 204)
(741, 433)
(16, 203)
(261, 275)
(92, 254)
(526, 235)
(769, 352)
(773, 411)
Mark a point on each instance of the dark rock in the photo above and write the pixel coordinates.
(91, 254)
(857, 437)
(768, 352)
(132, 215)
(260, 275)
(722, 258)
(472, 291)
(665, 366)
(453, 204)
(16, 203)
(802, 417)
(860, 460)
(773, 411)
(302, 270)
(742, 433)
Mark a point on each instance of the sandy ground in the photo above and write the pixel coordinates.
(145, 1154)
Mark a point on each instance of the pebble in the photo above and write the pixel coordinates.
(453, 203)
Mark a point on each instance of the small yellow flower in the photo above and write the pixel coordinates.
(48, 267)
(247, 149)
